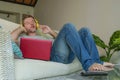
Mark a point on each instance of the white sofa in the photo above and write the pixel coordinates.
(29, 69)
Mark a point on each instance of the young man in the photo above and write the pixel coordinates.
(68, 44)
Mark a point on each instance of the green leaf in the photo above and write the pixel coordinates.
(117, 41)
(99, 42)
(117, 48)
(111, 48)
(114, 39)
(104, 58)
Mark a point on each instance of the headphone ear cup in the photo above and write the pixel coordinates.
(37, 24)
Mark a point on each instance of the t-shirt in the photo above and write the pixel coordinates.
(39, 35)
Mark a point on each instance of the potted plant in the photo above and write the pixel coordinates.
(110, 48)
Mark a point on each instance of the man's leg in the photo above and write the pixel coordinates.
(89, 44)
(61, 51)
(91, 48)
(73, 43)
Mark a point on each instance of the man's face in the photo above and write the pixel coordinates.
(30, 25)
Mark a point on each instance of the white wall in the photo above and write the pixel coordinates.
(101, 16)
(16, 8)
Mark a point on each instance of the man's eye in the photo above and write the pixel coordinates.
(27, 23)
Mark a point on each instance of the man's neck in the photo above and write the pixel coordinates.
(32, 34)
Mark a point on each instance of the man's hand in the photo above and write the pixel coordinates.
(23, 29)
(15, 33)
(46, 29)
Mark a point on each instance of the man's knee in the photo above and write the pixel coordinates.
(84, 30)
(69, 26)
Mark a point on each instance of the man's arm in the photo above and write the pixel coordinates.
(53, 33)
(15, 33)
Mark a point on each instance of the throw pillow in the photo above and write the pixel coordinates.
(16, 50)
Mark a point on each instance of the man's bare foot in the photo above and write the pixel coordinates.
(99, 67)
(107, 64)
(108, 68)
(96, 67)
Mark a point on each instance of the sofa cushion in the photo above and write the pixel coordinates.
(28, 69)
(8, 26)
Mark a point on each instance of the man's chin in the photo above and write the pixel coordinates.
(32, 31)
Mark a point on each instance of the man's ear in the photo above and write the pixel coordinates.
(37, 24)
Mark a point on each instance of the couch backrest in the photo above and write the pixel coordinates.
(8, 25)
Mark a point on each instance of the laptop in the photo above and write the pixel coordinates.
(36, 48)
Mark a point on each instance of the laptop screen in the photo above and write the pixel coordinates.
(35, 48)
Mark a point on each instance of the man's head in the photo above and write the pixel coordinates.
(29, 23)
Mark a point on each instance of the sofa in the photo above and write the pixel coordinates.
(30, 69)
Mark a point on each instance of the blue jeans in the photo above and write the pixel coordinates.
(71, 43)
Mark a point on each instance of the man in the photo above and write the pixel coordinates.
(68, 44)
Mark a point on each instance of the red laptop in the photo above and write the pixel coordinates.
(35, 48)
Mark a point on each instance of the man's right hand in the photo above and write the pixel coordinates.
(23, 29)
(15, 33)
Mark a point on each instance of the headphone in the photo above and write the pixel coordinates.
(37, 23)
